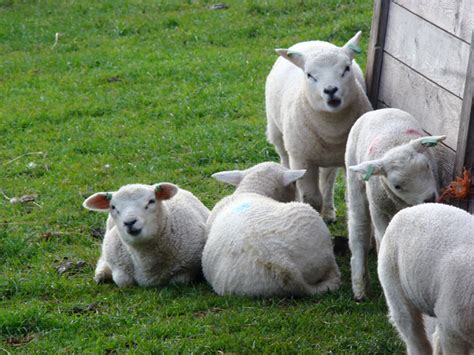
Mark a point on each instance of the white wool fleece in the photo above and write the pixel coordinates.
(258, 245)
(313, 95)
(155, 235)
(389, 167)
(426, 265)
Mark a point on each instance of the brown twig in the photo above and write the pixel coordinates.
(21, 156)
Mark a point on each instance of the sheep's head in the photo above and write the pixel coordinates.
(329, 77)
(268, 179)
(407, 171)
(135, 209)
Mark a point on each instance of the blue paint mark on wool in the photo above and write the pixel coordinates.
(242, 207)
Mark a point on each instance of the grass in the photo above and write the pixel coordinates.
(149, 91)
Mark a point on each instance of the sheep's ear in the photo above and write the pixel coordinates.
(369, 168)
(352, 46)
(290, 176)
(423, 143)
(99, 201)
(165, 190)
(296, 58)
(232, 177)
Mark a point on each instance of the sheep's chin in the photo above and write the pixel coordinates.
(334, 105)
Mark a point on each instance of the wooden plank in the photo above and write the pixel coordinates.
(453, 16)
(444, 155)
(427, 49)
(465, 148)
(375, 50)
(437, 109)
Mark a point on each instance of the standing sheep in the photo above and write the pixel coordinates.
(257, 245)
(388, 168)
(426, 265)
(313, 96)
(155, 235)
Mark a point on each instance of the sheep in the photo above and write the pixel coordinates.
(154, 235)
(258, 245)
(425, 266)
(388, 168)
(313, 95)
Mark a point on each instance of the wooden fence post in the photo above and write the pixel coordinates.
(465, 147)
(375, 50)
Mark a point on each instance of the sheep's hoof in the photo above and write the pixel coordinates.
(103, 279)
(329, 216)
(360, 299)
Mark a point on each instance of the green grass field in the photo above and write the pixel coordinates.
(149, 91)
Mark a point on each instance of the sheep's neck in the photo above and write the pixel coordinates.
(152, 258)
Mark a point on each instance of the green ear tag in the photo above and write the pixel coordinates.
(292, 53)
(429, 141)
(368, 174)
(158, 188)
(108, 196)
(355, 48)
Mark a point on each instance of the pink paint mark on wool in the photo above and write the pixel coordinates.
(412, 132)
(373, 145)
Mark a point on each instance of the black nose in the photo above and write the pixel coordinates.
(130, 223)
(431, 199)
(330, 90)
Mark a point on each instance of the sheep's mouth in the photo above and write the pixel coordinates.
(134, 232)
(334, 102)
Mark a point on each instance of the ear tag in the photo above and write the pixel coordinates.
(429, 142)
(108, 196)
(158, 188)
(368, 174)
(291, 53)
(354, 48)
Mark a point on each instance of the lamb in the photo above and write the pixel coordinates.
(426, 264)
(258, 245)
(154, 236)
(313, 95)
(389, 168)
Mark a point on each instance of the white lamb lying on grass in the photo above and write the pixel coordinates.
(313, 95)
(257, 245)
(155, 235)
(426, 267)
(389, 168)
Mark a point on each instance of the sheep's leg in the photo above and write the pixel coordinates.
(407, 319)
(450, 344)
(328, 178)
(103, 273)
(275, 137)
(308, 186)
(359, 234)
(122, 279)
(381, 222)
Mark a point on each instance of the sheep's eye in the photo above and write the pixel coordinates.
(113, 207)
(151, 202)
(348, 69)
(311, 77)
(398, 187)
